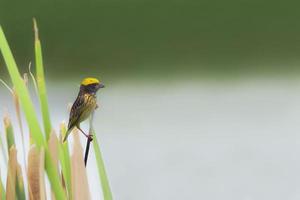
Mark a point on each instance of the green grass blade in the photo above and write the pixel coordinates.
(53, 177)
(10, 143)
(64, 156)
(101, 169)
(41, 85)
(2, 190)
(20, 192)
(65, 171)
(21, 90)
(10, 139)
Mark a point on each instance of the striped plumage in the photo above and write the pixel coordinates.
(84, 104)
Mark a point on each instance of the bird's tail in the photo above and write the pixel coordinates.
(67, 134)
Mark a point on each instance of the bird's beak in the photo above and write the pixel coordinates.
(101, 85)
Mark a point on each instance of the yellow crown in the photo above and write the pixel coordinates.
(88, 81)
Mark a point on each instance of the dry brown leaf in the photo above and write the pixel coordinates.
(80, 187)
(35, 173)
(11, 174)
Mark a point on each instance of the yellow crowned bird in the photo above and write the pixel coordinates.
(84, 105)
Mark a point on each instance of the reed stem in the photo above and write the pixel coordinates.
(88, 141)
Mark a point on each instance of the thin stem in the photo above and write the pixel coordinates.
(89, 140)
(87, 149)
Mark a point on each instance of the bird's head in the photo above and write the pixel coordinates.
(91, 85)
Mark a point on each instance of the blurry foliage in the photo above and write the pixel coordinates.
(140, 38)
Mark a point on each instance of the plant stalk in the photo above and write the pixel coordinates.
(88, 141)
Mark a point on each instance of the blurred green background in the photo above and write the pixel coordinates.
(147, 39)
(236, 139)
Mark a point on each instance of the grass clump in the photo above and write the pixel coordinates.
(65, 171)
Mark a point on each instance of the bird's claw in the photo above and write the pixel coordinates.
(90, 137)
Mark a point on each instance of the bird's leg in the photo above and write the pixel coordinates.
(90, 137)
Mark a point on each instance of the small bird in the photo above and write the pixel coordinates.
(84, 105)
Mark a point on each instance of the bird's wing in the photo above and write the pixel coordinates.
(76, 111)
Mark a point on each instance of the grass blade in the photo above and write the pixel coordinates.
(80, 187)
(10, 139)
(101, 170)
(21, 90)
(20, 184)
(36, 183)
(11, 174)
(64, 156)
(10, 147)
(53, 177)
(53, 148)
(2, 190)
(107, 195)
(18, 112)
(41, 85)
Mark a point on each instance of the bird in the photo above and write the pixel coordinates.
(84, 105)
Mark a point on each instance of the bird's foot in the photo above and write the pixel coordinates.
(90, 137)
